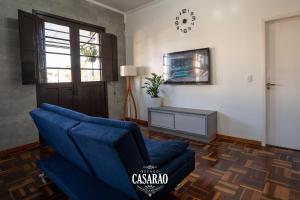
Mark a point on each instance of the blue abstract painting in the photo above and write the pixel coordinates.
(187, 67)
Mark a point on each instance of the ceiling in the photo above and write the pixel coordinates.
(124, 5)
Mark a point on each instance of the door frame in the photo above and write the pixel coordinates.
(264, 23)
(76, 82)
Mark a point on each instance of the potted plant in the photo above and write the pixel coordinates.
(90, 51)
(152, 88)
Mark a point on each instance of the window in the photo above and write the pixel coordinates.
(90, 68)
(62, 54)
(57, 53)
(56, 49)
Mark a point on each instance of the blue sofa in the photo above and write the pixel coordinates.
(96, 157)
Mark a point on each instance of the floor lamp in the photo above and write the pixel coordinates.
(129, 72)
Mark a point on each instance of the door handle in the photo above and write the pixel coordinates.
(269, 85)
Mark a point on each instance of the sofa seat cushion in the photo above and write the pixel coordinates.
(76, 183)
(160, 152)
(177, 169)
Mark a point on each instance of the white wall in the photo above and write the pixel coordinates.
(233, 30)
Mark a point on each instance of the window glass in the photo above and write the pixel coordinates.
(57, 46)
(58, 75)
(89, 62)
(89, 37)
(58, 61)
(57, 53)
(90, 75)
(57, 31)
(89, 56)
(57, 27)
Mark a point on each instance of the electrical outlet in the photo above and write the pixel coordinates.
(250, 78)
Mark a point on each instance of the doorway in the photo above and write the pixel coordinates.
(70, 65)
(282, 82)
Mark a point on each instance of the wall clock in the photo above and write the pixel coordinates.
(185, 20)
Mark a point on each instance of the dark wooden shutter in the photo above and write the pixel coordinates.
(109, 57)
(41, 73)
(27, 47)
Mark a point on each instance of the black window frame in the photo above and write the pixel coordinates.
(74, 26)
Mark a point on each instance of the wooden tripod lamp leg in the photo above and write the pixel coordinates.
(126, 101)
(129, 96)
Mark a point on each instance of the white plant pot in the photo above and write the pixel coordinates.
(155, 102)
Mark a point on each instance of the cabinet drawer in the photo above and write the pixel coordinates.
(161, 119)
(191, 123)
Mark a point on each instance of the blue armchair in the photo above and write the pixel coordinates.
(96, 157)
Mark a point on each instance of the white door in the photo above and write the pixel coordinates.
(283, 69)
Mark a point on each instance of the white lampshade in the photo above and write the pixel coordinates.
(128, 70)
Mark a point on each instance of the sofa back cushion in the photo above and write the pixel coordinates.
(133, 127)
(54, 130)
(64, 111)
(111, 152)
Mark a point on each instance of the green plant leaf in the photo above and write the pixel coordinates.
(152, 84)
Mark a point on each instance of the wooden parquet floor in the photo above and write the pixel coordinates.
(226, 169)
